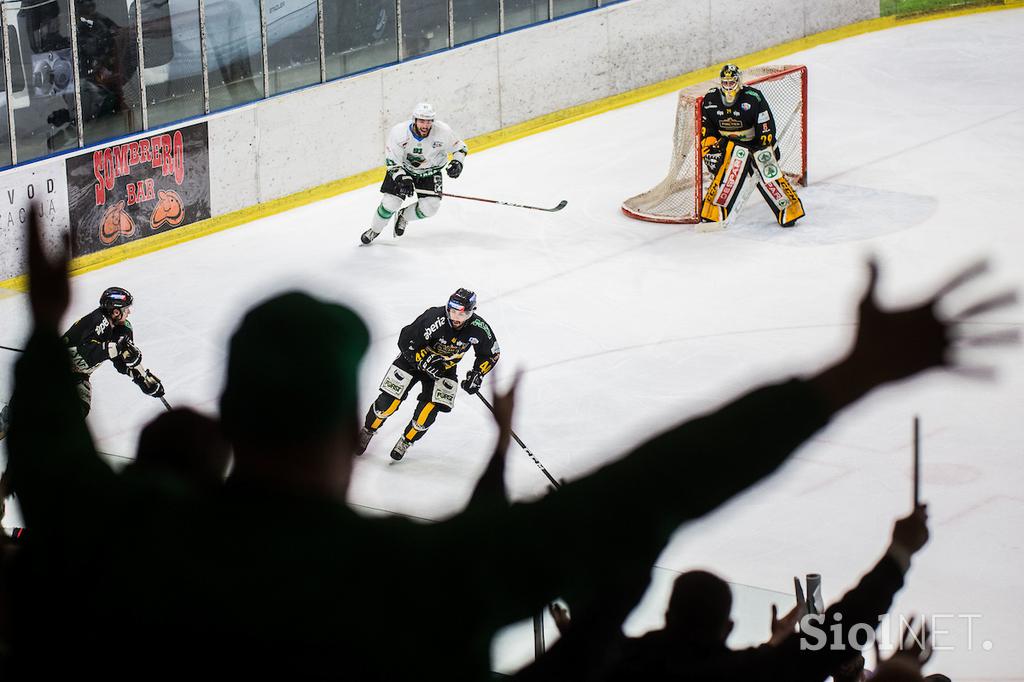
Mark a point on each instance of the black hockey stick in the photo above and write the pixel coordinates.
(562, 204)
(555, 484)
(16, 350)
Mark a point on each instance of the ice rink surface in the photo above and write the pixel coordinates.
(623, 328)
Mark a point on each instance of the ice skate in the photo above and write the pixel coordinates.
(398, 452)
(400, 223)
(364, 439)
(368, 236)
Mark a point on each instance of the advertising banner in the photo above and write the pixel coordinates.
(131, 190)
(44, 184)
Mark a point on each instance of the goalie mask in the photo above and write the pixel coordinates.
(730, 81)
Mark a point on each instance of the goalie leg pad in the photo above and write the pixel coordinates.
(783, 200)
(725, 188)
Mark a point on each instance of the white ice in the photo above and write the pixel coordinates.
(623, 328)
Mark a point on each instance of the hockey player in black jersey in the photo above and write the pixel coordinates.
(739, 141)
(106, 334)
(429, 352)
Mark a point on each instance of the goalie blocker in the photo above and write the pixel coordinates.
(733, 164)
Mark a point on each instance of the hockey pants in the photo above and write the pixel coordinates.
(427, 204)
(738, 163)
(436, 396)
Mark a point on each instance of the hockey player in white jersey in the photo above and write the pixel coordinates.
(416, 152)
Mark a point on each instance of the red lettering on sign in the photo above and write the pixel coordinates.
(97, 172)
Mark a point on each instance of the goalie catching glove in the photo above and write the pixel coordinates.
(471, 384)
(148, 382)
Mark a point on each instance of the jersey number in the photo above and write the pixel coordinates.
(766, 140)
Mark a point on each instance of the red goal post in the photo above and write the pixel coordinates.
(677, 198)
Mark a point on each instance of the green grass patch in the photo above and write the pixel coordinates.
(890, 7)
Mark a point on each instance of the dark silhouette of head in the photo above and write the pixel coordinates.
(698, 611)
(186, 444)
(898, 669)
(289, 405)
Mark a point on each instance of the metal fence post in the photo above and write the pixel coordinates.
(7, 76)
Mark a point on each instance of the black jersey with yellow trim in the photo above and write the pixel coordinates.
(748, 119)
(432, 333)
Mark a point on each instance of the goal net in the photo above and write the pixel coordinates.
(677, 198)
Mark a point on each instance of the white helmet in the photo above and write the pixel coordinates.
(424, 111)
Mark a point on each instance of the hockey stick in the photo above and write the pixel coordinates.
(562, 204)
(555, 484)
(16, 350)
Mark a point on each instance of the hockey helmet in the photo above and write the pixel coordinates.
(730, 78)
(424, 111)
(461, 305)
(113, 298)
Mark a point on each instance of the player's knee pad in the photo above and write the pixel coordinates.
(443, 394)
(384, 406)
(427, 206)
(396, 383)
(390, 203)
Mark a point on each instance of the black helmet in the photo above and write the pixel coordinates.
(463, 300)
(115, 297)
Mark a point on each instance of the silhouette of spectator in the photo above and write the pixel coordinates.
(915, 649)
(187, 445)
(692, 644)
(272, 575)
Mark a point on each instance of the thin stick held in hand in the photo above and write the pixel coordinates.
(561, 204)
(917, 461)
(166, 404)
(555, 484)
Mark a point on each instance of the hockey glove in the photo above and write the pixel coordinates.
(405, 187)
(471, 384)
(707, 143)
(454, 169)
(432, 365)
(149, 384)
(129, 353)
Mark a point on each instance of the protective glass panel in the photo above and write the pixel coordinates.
(5, 133)
(524, 12)
(174, 64)
(108, 69)
(563, 7)
(234, 52)
(474, 19)
(424, 26)
(43, 92)
(359, 35)
(293, 44)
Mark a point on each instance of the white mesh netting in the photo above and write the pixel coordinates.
(676, 199)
